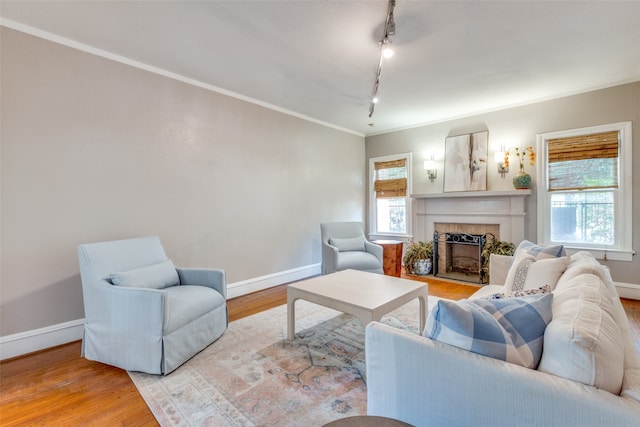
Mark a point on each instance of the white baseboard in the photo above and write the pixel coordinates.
(628, 290)
(62, 333)
(38, 339)
(259, 283)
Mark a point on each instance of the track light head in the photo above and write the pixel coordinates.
(387, 48)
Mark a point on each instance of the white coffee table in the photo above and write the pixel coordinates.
(367, 296)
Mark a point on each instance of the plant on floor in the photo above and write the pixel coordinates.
(415, 252)
(493, 246)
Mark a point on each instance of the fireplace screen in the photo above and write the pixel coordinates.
(458, 256)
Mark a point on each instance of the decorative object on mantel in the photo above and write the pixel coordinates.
(523, 179)
(417, 258)
(465, 167)
(493, 246)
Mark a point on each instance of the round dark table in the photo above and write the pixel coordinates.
(367, 421)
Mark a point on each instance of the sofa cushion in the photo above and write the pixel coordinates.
(507, 329)
(156, 276)
(523, 293)
(580, 263)
(527, 272)
(347, 245)
(185, 304)
(358, 261)
(539, 252)
(583, 342)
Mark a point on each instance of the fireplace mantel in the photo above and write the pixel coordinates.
(507, 193)
(504, 208)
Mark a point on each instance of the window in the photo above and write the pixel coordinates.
(584, 188)
(389, 199)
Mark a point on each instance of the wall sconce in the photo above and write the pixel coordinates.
(430, 168)
(499, 156)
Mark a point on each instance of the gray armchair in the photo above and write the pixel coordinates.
(344, 246)
(142, 313)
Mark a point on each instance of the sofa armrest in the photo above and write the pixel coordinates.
(123, 325)
(211, 277)
(375, 249)
(499, 268)
(424, 382)
(127, 310)
(329, 258)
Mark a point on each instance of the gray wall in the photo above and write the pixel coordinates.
(94, 150)
(519, 127)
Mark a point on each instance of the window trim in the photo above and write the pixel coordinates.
(373, 219)
(623, 250)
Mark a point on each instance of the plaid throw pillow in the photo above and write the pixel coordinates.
(509, 329)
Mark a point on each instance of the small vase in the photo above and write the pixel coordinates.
(423, 267)
(522, 181)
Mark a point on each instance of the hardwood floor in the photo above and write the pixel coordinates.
(58, 387)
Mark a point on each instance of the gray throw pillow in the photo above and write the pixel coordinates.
(155, 276)
(347, 245)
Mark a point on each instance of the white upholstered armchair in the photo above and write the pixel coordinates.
(344, 246)
(142, 313)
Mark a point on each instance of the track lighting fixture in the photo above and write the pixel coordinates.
(386, 48)
(391, 23)
(386, 52)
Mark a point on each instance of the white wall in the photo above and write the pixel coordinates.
(94, 150)
(519, 126)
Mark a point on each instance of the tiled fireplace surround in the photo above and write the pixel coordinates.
(500, 213)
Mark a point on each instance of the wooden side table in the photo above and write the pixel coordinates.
(392, 253)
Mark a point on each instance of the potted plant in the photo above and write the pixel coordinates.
(417, 258)
(493, 246)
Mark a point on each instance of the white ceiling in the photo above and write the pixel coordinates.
(318, 58)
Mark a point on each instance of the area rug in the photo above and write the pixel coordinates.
(254, 376)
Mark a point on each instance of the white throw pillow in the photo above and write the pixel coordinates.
(527, 272)
(348, 245)
(583, 342)
(156, 276)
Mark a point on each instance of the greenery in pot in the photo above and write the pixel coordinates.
(493, 246)
(414, 252)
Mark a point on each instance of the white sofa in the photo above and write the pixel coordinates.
(428, 383)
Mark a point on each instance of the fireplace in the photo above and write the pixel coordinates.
(457, 250)
(493, 214)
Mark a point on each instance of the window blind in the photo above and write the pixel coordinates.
(391, 179)
(583, 162)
